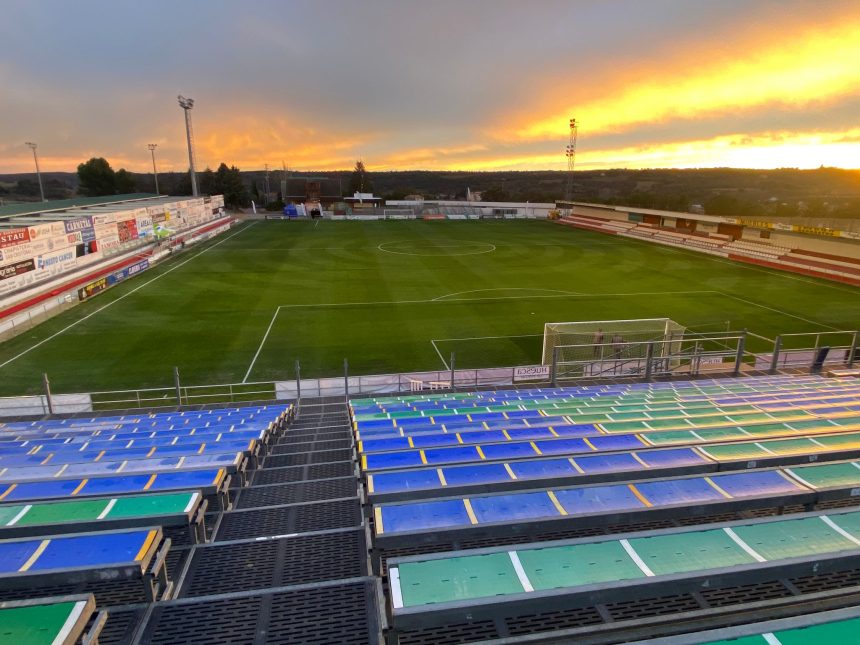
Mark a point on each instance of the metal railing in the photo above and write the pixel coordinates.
(689, 355)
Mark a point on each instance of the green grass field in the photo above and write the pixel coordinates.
(394, 296)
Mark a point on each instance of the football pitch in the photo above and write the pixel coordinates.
(394, 296)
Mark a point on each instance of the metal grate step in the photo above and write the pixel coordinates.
(287, 474)
(282, 520)
(300, 459)
(312, 491)
(260, 564)
(290, 448)
(346, 614)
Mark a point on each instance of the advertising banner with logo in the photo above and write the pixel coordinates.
(54, 263)
(14, 236)
(127, 272)
(144, 225)
(127, 230)
(815, 230)
(16, 269)
(531, 373)
(93, 288)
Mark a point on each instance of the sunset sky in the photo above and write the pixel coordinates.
(441, 84)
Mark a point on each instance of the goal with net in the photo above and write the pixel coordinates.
(603, 347)
(398, 213)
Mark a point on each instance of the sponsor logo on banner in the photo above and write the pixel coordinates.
(14, 236)
(531, 373)
(47, 262)
(102, 220)
(93, 288)
(17, 268)
(127, 272)
(754, 223)
(127, 230)
(79, 224)
(782, 227)
(815, 230)
(108, 243)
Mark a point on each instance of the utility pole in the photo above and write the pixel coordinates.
(570, 152)
(268, 192)
(152, 147)
(32, 146)
(187, 105)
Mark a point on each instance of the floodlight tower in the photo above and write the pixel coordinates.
(570, 152)
(187, 104)
(32, 146)
(152, 147)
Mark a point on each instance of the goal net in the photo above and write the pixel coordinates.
(398, 213)
(596, 347)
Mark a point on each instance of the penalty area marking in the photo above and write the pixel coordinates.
(557, 291)
(123, 296)
(262, 342)
(492, 247)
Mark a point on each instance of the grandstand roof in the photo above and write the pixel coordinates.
(34, 208)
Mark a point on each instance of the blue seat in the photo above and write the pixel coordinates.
(598, 499)
(542, 468)
(514, 507)
(476, 474)
(563, 446)
(397, 482)
(680, 491)
(511, 450)
(416, 516)
(755, 484)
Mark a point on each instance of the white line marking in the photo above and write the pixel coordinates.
(441, 246)
(262, 342)
(20, 514)
(779, 311)
(123, 296)
(635, 557)
(66, 630)
(447, 367)
(794, 475)
(561, 291)
(394, 583)
(746, 547)
(191, 502)
(521, 573)
(107, 509)
(443, 340)
(771, 639)
(839, 529)
(436, 301)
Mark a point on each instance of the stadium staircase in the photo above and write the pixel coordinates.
(273, 550)
(822, 265)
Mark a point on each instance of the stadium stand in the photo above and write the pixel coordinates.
(545, 514)
(234, 522)
(592, 513)
(821, 265)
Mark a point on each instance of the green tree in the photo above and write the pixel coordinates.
(359, 181)
(124, 182)
(96, 178)
(228, 182)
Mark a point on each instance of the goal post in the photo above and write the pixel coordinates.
(398, 213)
(593, 346)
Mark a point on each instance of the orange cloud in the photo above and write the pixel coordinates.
(797, 70)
